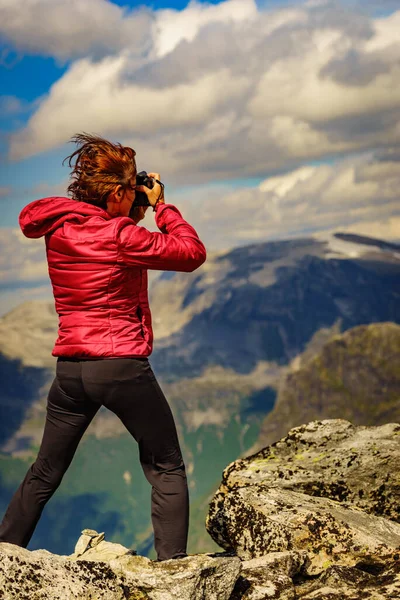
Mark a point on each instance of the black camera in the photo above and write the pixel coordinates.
(140, 197)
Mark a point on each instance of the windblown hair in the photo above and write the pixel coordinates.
(99, 166)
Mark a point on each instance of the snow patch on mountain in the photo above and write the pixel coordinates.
(336, 247)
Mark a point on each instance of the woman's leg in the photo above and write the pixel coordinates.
(134, 395)
(68, 416)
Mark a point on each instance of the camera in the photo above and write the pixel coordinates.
(140, 197)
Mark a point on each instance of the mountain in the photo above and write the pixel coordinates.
(26, 337)
(28, 333)
(266, 301)
(226, 337)
(355, 376)
(367, 241)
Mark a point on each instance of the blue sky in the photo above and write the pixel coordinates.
(266, 119)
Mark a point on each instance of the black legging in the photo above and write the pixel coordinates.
(128, 387)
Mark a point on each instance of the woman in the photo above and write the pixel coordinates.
(98, 258)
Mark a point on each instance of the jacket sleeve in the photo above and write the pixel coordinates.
(176, 248)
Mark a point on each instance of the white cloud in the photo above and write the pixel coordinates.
(280, 186)
(73, 28)
(386, 34)
(233, 90)
(385, 172)
(293, 86)
(172, 26)
(122, 109)
(360, 194)
(68, 29)
(21, 259)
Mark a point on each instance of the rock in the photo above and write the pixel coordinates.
(253, 521)
(94, 547)
(89, 539)
(103, 552)
(109, 571)
(199, 577)
(40, 575)
(270, 576)
(291, 519)
(331, 459)
(327, 490)
(372, 580)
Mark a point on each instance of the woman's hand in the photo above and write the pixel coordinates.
(154, 195)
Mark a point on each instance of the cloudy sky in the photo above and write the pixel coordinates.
(266, 120)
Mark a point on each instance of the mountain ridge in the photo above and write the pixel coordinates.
(356, 376)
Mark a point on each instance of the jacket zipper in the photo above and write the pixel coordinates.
(139, 311)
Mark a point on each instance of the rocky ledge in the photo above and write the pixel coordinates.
(314, 516)
(101, 570)
(328, 491)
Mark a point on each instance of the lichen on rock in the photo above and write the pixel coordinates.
(328, 488)
(108, 571)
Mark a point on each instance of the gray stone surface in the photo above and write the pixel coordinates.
(270, 576)
(253, 521)
(332, 459)
(199, 577)
(40, 575)
(320, 490)
(369, 580)
(103, 572)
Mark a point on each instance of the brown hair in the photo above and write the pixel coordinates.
(99, 166)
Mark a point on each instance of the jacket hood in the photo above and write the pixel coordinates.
(44, 216)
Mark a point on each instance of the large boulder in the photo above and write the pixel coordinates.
(327, 488)
(254, 521)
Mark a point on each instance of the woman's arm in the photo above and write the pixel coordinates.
(177, 248)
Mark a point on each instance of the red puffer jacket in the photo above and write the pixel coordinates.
(98, 269)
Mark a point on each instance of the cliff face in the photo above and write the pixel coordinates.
(355, 376)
